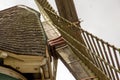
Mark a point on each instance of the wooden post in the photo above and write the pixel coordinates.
(55, 65)
(67, 10)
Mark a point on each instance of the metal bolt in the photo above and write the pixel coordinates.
(35, 68)
(17, 67)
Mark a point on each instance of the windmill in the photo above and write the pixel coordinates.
(30, 49)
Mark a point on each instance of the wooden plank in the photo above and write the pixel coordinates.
(55, 65)
(67, 10)
(72, 62)
(51, 31)
(12, 73)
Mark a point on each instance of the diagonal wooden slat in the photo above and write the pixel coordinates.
(68, 31)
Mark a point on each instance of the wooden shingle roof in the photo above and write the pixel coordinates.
(21, 31)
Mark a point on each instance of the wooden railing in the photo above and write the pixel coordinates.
(105, 56)
(101, 57)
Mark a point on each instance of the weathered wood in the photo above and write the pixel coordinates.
(24, 63)
(51, 31)
(72, 62)
(11, 73)
(21, 32)
(67, 10)
(55, 65)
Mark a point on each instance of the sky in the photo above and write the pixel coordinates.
(62, 73)
(100, 17)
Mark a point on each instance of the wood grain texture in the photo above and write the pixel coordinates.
(21, 31)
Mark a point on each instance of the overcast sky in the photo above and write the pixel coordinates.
(100, 17)
(63, 73)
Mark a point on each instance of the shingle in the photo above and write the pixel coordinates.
(21, 31)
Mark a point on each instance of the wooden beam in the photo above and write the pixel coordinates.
(73, 63)
(66, 9)
(11, 73)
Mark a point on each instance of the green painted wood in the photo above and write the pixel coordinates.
(6, 77)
